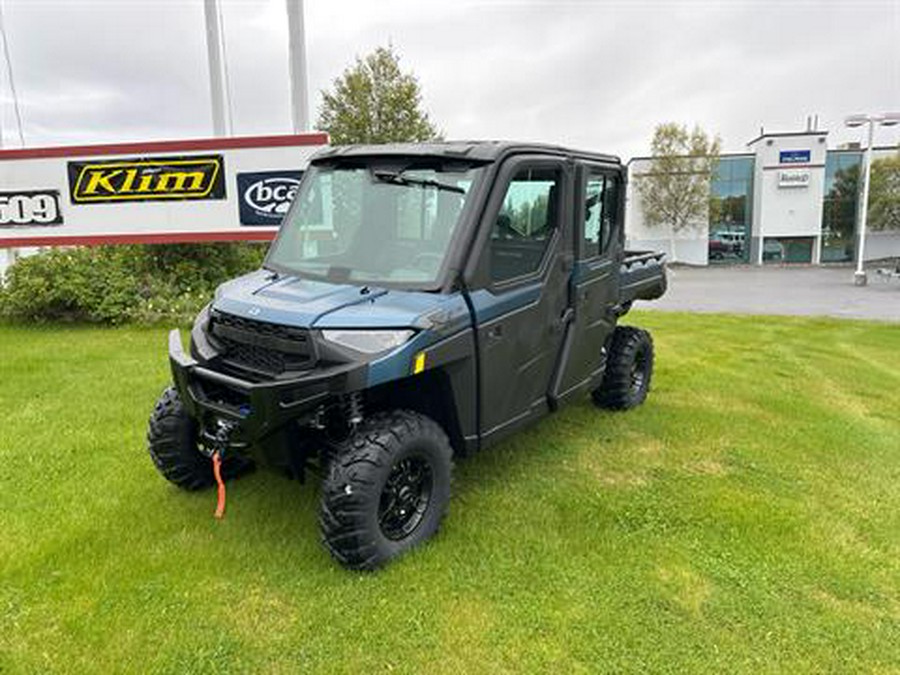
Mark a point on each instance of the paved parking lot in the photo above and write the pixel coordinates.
(822, 291)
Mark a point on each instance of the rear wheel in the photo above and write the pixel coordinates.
(386, 490)
(629, 369)
(172, 444)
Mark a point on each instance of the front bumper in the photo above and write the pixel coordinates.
(258, 409)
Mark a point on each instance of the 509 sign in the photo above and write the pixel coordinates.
(40, 207)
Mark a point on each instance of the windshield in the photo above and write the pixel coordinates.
(373, 224)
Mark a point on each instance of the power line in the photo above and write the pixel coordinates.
(12, 82)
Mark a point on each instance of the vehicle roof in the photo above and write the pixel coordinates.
(479, 151)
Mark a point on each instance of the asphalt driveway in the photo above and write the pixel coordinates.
(810, 291)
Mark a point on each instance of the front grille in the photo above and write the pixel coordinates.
(214, 392)
(261, 347)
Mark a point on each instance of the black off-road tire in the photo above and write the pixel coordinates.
(629, 369)
(172, 444)
(361, 505)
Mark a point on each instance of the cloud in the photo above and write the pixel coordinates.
(599, 75)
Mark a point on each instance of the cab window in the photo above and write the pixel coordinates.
(601, 206)
(525, 224)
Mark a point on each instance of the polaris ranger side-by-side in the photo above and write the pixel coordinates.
(420, 302)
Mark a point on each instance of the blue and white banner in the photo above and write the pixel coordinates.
(793, 157)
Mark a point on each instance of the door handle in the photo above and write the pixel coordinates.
(495, 332)
(564, 319)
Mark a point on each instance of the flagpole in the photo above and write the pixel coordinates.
(297, 66)
(214, 58)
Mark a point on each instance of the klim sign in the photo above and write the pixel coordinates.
(138, 180)
(174, 191)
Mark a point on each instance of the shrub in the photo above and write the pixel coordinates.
(120, 284)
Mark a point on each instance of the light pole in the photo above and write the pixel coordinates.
(885, 120)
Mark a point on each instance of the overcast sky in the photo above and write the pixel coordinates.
(592, 74)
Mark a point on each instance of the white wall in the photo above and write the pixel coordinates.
(882, 245)
(782, 210)
(691, 243)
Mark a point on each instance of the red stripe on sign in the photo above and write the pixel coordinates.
(168, 146)
(149, 238)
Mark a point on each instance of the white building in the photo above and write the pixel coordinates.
(788, 200)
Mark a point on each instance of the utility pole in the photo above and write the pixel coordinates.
(859, 277)
(214, 57)
(297, 66)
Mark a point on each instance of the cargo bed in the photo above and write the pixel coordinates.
(642, 276)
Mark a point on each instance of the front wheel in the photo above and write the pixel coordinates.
(172, 444)
(629, 369)
(386, 489)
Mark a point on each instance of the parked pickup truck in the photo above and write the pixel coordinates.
(420, 302)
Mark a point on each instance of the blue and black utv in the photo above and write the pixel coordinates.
(420, 302)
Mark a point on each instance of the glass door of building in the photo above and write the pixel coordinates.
(840, 206)
(731, 196)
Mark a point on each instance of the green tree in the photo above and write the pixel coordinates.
(375, 102)
(884, 194)
(674, 191)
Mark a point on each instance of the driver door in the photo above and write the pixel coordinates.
(523, 312)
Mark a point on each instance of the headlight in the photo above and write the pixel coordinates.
(200, 346)
(368, 341)
(202, 320)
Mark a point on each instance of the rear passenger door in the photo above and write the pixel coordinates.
(598, 216)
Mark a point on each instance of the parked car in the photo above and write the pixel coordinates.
(721, 247)
(773, 251)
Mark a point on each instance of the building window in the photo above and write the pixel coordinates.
(788, 249)
(840, 205)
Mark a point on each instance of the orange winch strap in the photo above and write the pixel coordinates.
(217, 472)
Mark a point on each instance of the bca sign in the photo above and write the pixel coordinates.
(223, 189)
(264, 197)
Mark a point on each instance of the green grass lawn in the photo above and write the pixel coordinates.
(746, 519)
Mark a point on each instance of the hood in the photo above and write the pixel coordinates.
(304, 303)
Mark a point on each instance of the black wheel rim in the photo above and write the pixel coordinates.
(639, 371)
(405, 498)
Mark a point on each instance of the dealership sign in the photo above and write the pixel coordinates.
(265, 196)
(144, 179)
(793, 178)
(208, 189)
(29, 208)
(794, 157)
